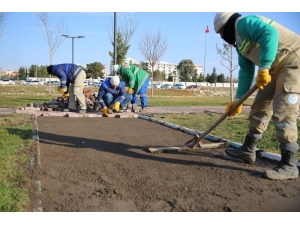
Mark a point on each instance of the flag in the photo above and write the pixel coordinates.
(207, 30)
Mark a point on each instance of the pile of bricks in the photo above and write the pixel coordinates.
(56, 107)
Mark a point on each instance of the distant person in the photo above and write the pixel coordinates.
(112, 96)
(262, 42)
(72, 79)
(137, 81)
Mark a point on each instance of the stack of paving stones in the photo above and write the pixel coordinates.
(57, 106)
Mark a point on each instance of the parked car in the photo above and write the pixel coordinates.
(53, 82)
(193, 87)
(10, 82)
(34, 82)
(97, 84)
(156, 86)
(166, 86)
(85, 83)
(179, 86)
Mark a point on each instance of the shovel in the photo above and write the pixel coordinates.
(195, 143)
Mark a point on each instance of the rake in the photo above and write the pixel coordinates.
(195, 143)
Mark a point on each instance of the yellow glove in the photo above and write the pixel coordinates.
(129, 90)
(263, 78)
(105, 111)
(235, 112)
(117, 106)
(65, 95)
(62, 90)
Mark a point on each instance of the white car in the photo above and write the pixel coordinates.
(166, 86)
(179, 86)
(85, 83)
(156, 85)
(34, 82)
(10, 82)
(97, 84)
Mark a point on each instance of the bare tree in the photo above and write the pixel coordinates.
(153, 47)
(126, 28)
(124, 32)
(53, 34)
(230, 57)
(2, 23)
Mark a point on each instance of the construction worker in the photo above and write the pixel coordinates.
(71, 83)
(137, 81)
(275, 49)
(112, 96)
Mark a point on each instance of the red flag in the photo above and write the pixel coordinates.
(207, 30)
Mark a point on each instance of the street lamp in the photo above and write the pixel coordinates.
(67, 36)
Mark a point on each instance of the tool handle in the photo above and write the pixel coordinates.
(240, 101)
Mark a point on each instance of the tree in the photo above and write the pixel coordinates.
(122, 50)
(152, 47)
(22, 72)
(32, 71)
(2, 23)
(124, 34)
(230, 57)
(52, 33)
(221, 78)
(186, 69)
(95, 70)
(213, 76)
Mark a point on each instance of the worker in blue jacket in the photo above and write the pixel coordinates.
(71, 79)
(112, 96)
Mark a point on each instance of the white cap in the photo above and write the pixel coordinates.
(221, 19)
(114, 80)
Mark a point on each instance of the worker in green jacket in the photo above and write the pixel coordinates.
(137, 82)
(275, 50)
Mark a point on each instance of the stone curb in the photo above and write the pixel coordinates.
(262, 153)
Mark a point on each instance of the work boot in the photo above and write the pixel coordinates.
(246, 152)
(143, 109)
(82, 111)
(69, 110)
(286, 168)
(134, 108)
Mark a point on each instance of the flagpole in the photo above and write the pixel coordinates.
(206, 31)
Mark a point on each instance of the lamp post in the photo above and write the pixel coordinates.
(67, 36)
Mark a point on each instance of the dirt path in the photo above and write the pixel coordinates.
(103, 165)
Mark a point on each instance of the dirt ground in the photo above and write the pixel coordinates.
(104, 165)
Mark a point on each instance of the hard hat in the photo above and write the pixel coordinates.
(114, 80)
(221, 19)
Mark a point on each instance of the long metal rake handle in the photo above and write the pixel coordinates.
(242, 99)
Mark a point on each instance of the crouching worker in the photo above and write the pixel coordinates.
(137, 81)
(71, 79)
(112, 96)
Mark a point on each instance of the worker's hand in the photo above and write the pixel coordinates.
(62, 90)
(129, 90)
(263, 78)
(105, 111)
(65, 95)
(235, 112)
(117, 106)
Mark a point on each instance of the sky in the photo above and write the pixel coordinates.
(23, 42)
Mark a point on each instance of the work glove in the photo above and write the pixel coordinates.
(62, 90)
(65, 95)
(263, 78)
(105, 111)
(235, 112)
(129, 90)
(116, 107)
